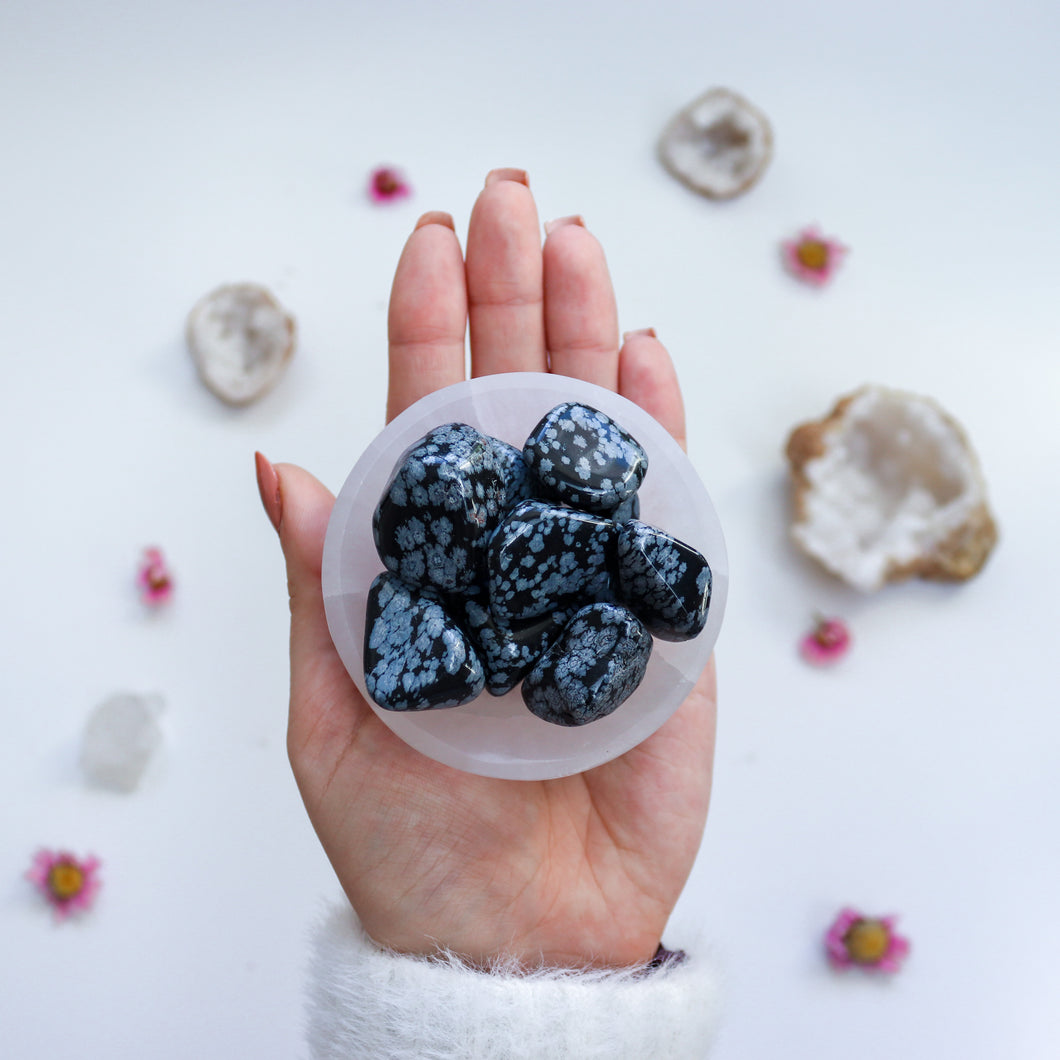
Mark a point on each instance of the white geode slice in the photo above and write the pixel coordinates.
(120, 739)
(887, 487)
(241, 339)
(719, 145)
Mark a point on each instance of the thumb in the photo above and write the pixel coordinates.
(299, 507)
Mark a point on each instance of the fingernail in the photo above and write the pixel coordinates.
(269, 488)
(648, 332)
(562, 222)
(518, 175)
(436, 217)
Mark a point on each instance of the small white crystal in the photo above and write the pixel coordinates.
(241, 339)
(121, 736)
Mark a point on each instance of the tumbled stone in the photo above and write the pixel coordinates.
(518, 482)
(594, 667)
(509, 650)
(581, 457)
(544, 557)
(666, 582)
(628, 509)
(435, 517)
(415, 656)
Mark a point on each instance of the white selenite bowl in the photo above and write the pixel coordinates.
(497, 736)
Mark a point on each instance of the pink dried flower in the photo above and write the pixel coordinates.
(153, 578)
(387, 184)
(69, 884)
(826, 643)
(867, 942)
(813, 257)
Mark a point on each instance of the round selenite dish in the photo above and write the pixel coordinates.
(497, 736)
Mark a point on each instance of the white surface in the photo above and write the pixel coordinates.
(499, 737)
(151, 152)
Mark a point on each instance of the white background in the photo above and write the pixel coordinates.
(151, 151)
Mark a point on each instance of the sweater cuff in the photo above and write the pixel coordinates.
(366, 1001)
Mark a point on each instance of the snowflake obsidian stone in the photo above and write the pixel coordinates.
(583, 458)
(518, 482)
(415, 656)
(666, 582)
(432, 525)
(592, 669)
(509, 650)
(545, 556)
(507, 565)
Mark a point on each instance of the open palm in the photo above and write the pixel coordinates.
(576, 871)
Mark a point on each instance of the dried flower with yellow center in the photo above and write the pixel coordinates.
(69, 884)
(812, 257)
(866, 942)
(65, 880)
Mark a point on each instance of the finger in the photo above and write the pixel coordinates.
(428, 314)
(646, 375)
(504, 278)
(581, 321)
(303, 507)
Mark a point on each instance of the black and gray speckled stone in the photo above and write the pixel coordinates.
(581, 457)
(509, 651)
(518, 482)
(415, 656)
(434, 520)
(546, 557)
(628, 509)
(666, 582)
(594, 667)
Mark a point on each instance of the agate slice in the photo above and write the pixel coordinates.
(241, 340)
(887, 487)
(719, 145)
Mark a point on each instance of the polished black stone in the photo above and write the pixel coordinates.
(509, 650)
(628, 509)
(545, 557)
(666, 582)
(518, 482)
(415, 656)
(581, 457)
(434, 520)
(594, 667)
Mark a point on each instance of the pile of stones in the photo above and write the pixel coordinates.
(506, 566)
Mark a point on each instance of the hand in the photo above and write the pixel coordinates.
(584, 870)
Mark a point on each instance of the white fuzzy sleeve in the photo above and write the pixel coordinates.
(366, 1002)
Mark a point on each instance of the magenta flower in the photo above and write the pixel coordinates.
(868, 942)
(70, 885)
(826, 643)
(153, 578)
(387, 184)
(813, 257)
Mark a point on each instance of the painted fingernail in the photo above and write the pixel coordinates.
(506, 173)
(436, 217)
(562, 222)
(269, 488)
(647, 332)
